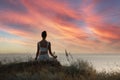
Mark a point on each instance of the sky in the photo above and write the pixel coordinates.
(79, 26)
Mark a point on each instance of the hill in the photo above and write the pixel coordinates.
(53, 70)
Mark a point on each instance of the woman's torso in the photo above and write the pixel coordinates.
(43, 47)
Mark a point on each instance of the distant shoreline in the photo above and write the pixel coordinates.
(100, 62)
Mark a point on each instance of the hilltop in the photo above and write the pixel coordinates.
(53, 70)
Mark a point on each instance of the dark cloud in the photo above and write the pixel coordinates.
(13, 5)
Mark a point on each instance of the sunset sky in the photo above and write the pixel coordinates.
(79, 26)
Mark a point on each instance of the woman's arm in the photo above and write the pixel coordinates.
(51, 51)
(37, 53)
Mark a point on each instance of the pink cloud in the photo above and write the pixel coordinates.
(60, 20)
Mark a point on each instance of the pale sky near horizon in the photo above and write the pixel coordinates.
(79, 26)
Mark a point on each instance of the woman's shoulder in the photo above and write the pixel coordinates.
(38, 42)
(47, 41)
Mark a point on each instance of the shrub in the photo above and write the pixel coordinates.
(81, 69)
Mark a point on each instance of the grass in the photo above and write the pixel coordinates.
(52, 70)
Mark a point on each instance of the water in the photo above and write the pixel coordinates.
(106, 62)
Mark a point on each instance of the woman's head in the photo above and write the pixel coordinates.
(44, 34)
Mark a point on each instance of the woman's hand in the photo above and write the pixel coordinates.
(55, 57)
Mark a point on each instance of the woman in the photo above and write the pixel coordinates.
(42, 49)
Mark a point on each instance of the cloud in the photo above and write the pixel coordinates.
(82, 24)
(108, 32)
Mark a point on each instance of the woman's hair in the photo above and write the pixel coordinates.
(44, 34)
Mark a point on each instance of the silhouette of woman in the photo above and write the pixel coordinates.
(43, 47)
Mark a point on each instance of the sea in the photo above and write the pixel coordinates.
(101, 62)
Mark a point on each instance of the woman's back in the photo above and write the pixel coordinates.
(43, 47)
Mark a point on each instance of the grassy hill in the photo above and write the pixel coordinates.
(53, 70)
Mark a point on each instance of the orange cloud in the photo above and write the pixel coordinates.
(107, 32)
(75, 28)
(13, 31)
